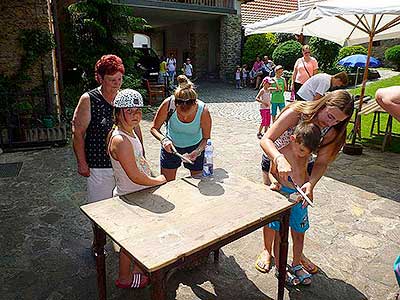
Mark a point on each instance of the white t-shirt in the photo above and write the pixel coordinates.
(171, 64)
(188, 69)
(317, 84)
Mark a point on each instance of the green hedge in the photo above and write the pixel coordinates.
(325, 52)
(351, 50)
(286, 54)
(258, 44)
(393, 55)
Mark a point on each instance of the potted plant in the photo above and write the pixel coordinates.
(24, 111)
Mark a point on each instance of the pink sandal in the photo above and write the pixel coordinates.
(139, 281)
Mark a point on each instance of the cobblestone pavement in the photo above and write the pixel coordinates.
(354, 235)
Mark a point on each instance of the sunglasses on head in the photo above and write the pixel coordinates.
(184, 101)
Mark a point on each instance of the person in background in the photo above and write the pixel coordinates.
(162, 75)
(188, 68)
(389, 99)
(131, 171)
(171, 68)
(188, 124)
(264, 98)
(304, 68)
(316, 87)
(268, 68)
(245, 75)
(277, 97)
(237, 77)
(256, 73)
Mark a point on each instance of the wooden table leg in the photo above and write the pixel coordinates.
(98, 247)
(216, 256)
(388, 133)
(159, 291)
(283, 252)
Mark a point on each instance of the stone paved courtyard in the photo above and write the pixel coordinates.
(354, 235)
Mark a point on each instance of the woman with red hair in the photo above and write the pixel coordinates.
(91, 123)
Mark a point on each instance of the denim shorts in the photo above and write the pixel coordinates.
(298, 220)
(171, 161)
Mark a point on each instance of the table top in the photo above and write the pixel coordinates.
(160, 225)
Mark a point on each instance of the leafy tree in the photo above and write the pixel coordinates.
(283, 37)
(286, 54)
(97, 27)
(324, 51)
(351, 50)
(258, 44)
(392, 54)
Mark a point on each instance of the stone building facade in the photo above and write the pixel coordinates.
(16, 17)
(230, 45)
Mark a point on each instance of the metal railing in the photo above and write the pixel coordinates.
(229, 4)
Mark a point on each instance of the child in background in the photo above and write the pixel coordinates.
(188, 68)
(237, 77)
(296, 145)
(245, 75)
(277, 97)
(131, 171)
(264, 97)
(162, 75)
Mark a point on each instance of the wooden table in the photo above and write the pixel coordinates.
(377, 110)
(174, 224)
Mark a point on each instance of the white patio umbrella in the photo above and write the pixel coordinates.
(346, 22)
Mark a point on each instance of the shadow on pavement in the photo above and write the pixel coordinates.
(225, 281)
(373, 171)
(326, 288)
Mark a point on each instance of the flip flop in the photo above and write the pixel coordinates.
(262, 265)
(139, 281)
(306, 264)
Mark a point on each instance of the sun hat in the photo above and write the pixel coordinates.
(267, 79)
(128, 98)
(278, 67)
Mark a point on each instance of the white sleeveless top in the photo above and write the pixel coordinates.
(124, 185)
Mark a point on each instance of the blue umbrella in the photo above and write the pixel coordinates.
(359, 61)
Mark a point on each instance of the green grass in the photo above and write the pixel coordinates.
(366, 120)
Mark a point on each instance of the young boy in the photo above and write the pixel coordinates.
(296, 146)
(278, 98)
(264, 98)
(188, 68)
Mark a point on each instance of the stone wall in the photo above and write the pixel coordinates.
(17, 16)
(230, 45)
(379, 51)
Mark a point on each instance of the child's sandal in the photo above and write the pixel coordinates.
(305, 279)
(290, 280)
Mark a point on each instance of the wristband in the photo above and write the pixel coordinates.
(164, 140)
(276, 158)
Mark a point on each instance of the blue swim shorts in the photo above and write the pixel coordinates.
(171, 161)
(274, 108)
(298, 220)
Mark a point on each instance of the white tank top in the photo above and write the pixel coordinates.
(124, 185)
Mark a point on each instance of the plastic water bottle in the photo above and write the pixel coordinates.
(208, 167)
